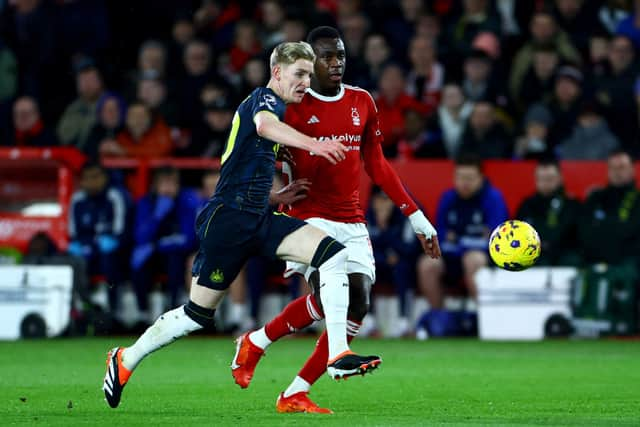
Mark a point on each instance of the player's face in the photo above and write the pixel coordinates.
(467, 181)
(330, 63)
(295, 79)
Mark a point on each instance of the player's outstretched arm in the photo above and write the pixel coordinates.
(268, 126)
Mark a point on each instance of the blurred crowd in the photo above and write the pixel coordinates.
(466, 80)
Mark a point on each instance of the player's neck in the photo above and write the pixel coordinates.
(330, 92)
(275, 87)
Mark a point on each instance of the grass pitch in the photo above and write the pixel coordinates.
(438, 382)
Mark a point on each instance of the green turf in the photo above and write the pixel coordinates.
(453, 382)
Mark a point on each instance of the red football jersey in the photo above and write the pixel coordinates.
(351, 117)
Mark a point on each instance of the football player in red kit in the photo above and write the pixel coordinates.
(331, 109)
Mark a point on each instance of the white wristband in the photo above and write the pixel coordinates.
(421, 224)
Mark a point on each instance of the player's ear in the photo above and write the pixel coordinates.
(276, 71)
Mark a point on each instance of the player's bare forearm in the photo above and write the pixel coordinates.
(268, 126)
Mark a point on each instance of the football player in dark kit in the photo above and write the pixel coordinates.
(237, 223)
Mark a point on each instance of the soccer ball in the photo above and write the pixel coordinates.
(514, 245)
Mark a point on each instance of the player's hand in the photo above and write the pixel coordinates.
(284, 155)
(291, 193)
(430, 246)
(331, 150)
(427, 234)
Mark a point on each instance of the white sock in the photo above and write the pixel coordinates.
(169, 327)
(260, 338)
(297, 385)
(334, 294)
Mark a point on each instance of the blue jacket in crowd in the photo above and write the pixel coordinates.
(98, 221)
(470, 219)
(165, 223)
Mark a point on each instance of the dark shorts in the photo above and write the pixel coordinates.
(228, 237)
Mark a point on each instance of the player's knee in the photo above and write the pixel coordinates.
(329, 248)
(201, 315)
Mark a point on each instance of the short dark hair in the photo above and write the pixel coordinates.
(164, 171)
(548, 162)
(619, 152)
(92, 164)
(469, 159)
(322, 32)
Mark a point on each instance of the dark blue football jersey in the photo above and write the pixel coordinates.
(248, 161)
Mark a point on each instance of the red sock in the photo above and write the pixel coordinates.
(316, 364)
(298, 314)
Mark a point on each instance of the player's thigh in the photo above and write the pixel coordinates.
(227, 240)
(361, 259)
(292, 239)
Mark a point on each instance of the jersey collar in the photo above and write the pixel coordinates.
(335, 98)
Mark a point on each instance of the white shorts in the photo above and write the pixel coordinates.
(354, 236)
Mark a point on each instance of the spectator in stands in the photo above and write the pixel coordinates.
(393, 102)
(376, 55)
(29, 29)
(544, 31)
(426, 77)
(591, 138)
(554, 214)
(485, 135)
(163, 238)
(29, 130)
(111, 111)
(573, 16)
(8, 75)
(613, 90)
(354, 28)
(449, 122)
(563, 106)
(152, 91)
(609, 227)
(209, 138)
(152, 56)
(612, 13)
(182, 33)
(537, 83)
(255, 73)
(534, 144)
(245, 45)
(143, 136)
(197, 63)
(629, 27)
(477, 84)
(466, 215)
(477, 16)
(395, 249)
(98, 230)
(400, 25)
(273, 15)
(294, 29)
(210, 179)
(79, 117)
(417, 142)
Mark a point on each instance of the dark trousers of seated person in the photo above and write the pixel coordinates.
(171, 264)
(402, 276)
(110, 266)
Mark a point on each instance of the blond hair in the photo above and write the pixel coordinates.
(289, 52)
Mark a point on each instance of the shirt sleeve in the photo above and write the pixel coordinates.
(378, 168)
(267, 101)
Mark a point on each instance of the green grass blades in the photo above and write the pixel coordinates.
(438, 382)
